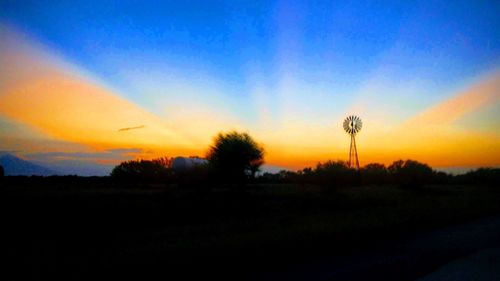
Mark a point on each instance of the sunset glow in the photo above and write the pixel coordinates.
(146, 96)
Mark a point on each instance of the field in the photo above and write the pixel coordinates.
(80, 231)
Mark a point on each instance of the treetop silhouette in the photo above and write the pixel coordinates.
(235, 156)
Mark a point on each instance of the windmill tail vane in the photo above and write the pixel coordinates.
(352, 125)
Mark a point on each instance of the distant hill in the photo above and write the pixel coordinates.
(15, 166)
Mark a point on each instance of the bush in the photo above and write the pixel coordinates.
(156, 170)
(374, 173)
(410, 173)
(234, 157)
(197, 176)
(334, 174)
(485, 176)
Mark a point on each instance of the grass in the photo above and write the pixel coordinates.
(81, 230)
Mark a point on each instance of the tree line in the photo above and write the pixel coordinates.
(235, 158)
(405, 173)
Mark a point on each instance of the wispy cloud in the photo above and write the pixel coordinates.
(38, 90)
(131, 128)
(108, 155)
(474, 98)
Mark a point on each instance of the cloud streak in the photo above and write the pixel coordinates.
(472, 99)
(59, 101)
(131, 128)
(108, 155)
(300, 122)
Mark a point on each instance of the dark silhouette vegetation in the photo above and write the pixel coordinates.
(156, 170)
(331, 174)
(235, 157)
(198, 177)
(408, 173)
(404, 173)
(149, 220)
(488, 176)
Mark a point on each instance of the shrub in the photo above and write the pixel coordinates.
(156, 170)
(485, 176)
(234, 157)
(197, 176)
(334, 174)
(410, 173)
(374, 173)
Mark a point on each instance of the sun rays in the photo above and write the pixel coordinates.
(298, 122)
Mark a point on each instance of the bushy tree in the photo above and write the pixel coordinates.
(335, 174)
(410, 173)
(234, 157)
(374, 173)
(156, 170)
(198, 176)
(486, 176)
(442, 178)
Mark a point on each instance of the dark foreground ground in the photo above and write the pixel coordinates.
(266, 232)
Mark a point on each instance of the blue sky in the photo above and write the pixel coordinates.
(337, 42)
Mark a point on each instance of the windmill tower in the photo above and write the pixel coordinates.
(352, 125)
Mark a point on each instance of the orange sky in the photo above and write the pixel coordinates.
(53, 99)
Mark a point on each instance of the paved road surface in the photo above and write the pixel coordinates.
(479, 266)
(465, 252)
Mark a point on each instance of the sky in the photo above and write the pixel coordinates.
(87, 84)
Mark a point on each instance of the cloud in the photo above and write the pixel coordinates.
(3, 152)
(131, 128)
(80, 167)
(83, 163)
(434, 135)
(73, 120)
(483, 93)
(126, 150)
(60, 101)
(112, 155)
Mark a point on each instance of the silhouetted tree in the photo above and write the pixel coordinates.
(198, 176)
(2, 172)
(235, 156)
(156, 170)
(289, 176)
(306, 175)
(484, 176)
(442, 178)
(374, 173)
(334, 174)
(269, 178)
(410, 173)
(407, 173)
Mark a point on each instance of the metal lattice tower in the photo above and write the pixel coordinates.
(352, 125)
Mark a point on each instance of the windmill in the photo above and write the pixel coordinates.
(352, 125)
